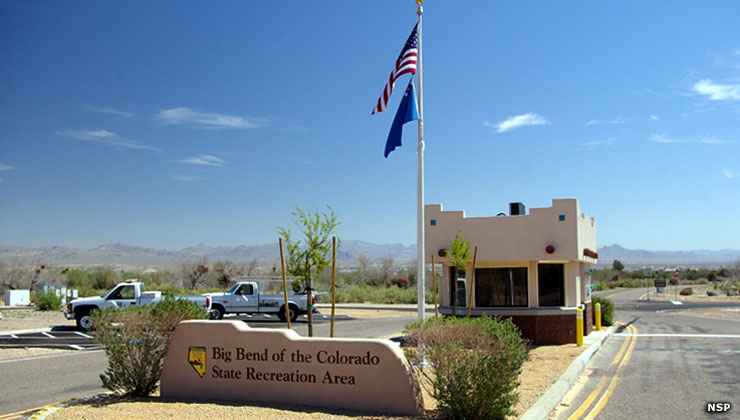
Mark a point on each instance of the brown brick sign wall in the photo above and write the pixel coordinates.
(229, 361)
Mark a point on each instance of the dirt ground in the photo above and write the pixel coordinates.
(700, 295)
(370, 313)
(112, 408)
(26, 319)
(545, 365)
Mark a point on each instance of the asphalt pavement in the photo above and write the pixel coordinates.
(662, 364)
(34, 382)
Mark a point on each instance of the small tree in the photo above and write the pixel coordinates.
(251, 267)
(459, 257)
(224, 271)
(195, 273)
(617, 265)
(387, 265)
(307, 259)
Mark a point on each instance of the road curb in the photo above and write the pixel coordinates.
(31, 331)
(49, 409)
(552, 397)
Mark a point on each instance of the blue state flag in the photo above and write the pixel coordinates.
(407, 112)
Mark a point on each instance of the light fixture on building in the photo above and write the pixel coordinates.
(550, 249)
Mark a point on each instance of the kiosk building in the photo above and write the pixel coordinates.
(530, 267)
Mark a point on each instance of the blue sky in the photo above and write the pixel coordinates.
(165, 125)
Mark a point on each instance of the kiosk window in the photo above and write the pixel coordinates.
(500, 287)
(551, 282)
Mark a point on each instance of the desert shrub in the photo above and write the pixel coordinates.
(379, 294)
(136, 341)
(103, 279)
(686, 291)
(471, 366)
(48, 301)
(607, 310)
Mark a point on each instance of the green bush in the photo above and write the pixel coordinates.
(136, 341)
(48, 301)
(379, 294)
(607, 310)
(471, 366)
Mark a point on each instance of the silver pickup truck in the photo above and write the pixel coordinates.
(244, 297)
(122, 295)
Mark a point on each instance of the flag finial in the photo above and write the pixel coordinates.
(419, 7)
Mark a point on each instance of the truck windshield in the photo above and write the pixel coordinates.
(232, 289)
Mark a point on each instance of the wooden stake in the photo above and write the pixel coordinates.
(471, 287)
(434, 289)
(285, 282)
(333, 283)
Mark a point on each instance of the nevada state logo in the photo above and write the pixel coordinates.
(197, 359)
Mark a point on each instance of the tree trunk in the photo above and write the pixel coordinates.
(309, 298)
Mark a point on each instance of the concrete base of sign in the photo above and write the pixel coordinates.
(229, 361)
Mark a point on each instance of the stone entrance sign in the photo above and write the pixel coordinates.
(229, 361)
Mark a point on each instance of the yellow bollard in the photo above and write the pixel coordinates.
(579, 326)
(597, 315)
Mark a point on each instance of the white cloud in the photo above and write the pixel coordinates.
(614, 121)
(109, 111)
(663, 139)
(106, 137)
(717, 91)
(517, 121)
(183, 178)
(4, 167)
(716, 141)
(204, 160)
(186, 116)
(594, 144)
(654, 117)
(728, 173)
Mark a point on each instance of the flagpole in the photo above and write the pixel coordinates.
(420, 261)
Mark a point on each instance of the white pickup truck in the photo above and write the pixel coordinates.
(122, 295)
(244, 297)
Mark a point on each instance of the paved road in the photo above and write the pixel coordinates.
(665, 364)
(35, 382)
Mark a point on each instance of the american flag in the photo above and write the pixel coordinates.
(405, 64)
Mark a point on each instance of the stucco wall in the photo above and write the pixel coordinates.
(518, 241)
(515, 238)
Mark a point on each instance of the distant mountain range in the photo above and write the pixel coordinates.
(131, 255)
(610, 253)
(267, 254)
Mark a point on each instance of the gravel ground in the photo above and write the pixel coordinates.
(700, 295)
(111, 408)
(370, 313)
(26, 319)
(545, 365)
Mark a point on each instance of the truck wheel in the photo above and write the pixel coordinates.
(292, 312)
(217, 312)
(84, 321)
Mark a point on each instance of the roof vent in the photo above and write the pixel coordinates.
(517, 209)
